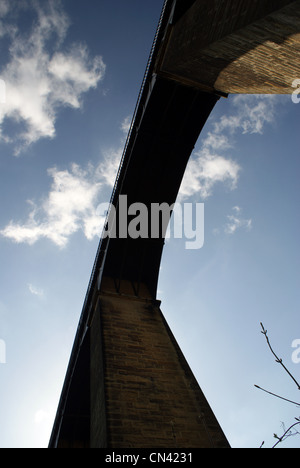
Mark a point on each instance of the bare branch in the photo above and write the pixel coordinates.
(281, 439)
(278, 360)
(277, 396)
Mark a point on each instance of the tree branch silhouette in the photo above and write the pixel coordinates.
(278, 396)
(288, 433)
(278, 360)
(285, 435)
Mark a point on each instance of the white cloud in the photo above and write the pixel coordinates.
(205, 171)
(125, 127)
(235, 222)
(216, 142)
(35, 291)
(252, 113)
(107, 171)
(74, 74)
(210, 166)
(69, 207)
(41, 78)
(4, 8)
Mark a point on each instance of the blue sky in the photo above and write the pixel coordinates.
(72, 71)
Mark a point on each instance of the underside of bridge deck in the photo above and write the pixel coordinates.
(229, 46)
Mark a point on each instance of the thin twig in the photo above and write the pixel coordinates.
(278, 360)
(277, 396)
(281, 439)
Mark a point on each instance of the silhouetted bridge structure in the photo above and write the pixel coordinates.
(128, 384)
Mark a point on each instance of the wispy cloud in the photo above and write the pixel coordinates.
(205, 170)
(41, 76)
(213, 164)
(125, 126)
(107, 170)
(35, 291)
(251, 114)
(4, 8)
(236, 221)
(71, 204)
